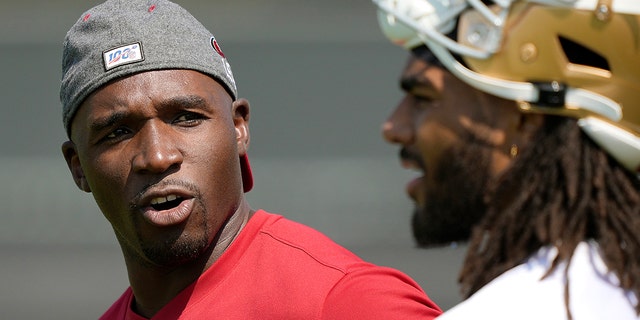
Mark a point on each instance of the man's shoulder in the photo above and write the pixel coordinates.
(511, 296)
(530, 291)
(293, 236)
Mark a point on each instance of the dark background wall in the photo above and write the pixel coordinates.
(320, 77)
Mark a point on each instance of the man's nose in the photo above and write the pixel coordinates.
(398, 128)
(158, 150)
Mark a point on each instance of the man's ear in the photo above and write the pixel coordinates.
(240, 110)
(73, 162)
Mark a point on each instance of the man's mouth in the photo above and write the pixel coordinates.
(166, 203)
(411, 161)
(169, 210)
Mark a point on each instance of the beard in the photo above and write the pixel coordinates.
(455, 203)
(177, 249)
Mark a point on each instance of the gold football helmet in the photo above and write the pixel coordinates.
(577, 58)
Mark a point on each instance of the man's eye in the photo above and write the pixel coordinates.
(117, 133)
(188, 118)
(423, 101)
(423, 96)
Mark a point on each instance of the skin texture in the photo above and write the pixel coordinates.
(153, 135)
(460, 140)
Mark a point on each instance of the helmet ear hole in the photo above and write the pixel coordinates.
(581, 55)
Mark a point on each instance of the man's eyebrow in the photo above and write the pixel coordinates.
(411, 83)
(186, 101)
(100, 124)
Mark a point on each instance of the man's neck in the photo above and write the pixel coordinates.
(155, 286)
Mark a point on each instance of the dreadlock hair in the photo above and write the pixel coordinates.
(561, 190)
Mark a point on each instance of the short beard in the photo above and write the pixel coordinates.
(177, 249)
(456, 202)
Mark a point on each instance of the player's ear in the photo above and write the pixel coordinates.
(240, 111)
(73, 162)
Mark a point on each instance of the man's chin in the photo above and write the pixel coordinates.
(438, 230)
(174, 256)
(452, 201)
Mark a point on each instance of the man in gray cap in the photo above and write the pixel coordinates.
(159, 137)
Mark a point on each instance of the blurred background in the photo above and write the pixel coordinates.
(320, 77)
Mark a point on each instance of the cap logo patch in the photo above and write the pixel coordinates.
(227, 67)
(122, 55)
(216, 46)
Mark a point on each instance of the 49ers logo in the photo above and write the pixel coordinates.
(227, 67)
(216, 46)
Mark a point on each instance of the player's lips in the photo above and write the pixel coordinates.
(414, 186)
(166, 207)
(409, 160)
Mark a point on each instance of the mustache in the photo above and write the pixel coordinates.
(164, 183)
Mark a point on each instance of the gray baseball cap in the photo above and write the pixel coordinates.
(121, 37)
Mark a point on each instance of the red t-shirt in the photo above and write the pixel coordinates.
(280, 269)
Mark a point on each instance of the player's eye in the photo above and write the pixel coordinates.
(188, 119)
